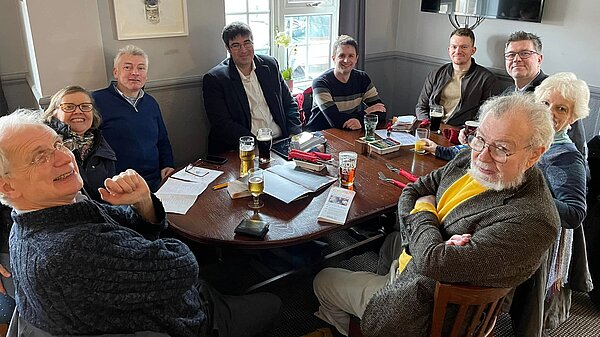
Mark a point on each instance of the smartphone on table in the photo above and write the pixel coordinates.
(215, 160)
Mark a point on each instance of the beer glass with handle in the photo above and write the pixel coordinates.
(256, 186)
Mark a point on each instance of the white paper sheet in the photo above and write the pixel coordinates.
(403, 138)
(180, 191)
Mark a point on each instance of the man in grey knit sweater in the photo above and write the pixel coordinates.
(85, 268)
(487, 219)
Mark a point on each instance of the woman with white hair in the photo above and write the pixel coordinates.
(565, 171)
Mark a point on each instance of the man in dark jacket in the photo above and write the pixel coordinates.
(85, 268)
(459, 86)
(523, 59)
(246, 92)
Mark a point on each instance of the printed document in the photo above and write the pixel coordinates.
(336, 206)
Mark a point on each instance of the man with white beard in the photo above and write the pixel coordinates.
(485, 219)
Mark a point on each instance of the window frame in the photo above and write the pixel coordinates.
(279, 9)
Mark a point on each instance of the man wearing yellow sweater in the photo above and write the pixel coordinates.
(486, 218)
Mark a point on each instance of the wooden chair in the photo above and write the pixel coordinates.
(480, 303)
(477, 309)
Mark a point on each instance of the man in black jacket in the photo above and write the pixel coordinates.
(246, 92)
(523, 59)
(460, 86)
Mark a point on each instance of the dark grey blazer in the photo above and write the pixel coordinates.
(512, 231)
(227, 106)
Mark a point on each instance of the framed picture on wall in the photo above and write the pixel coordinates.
(145, 19)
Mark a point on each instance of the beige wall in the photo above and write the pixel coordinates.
(569, 32)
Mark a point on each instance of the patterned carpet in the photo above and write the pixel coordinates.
(299, 302)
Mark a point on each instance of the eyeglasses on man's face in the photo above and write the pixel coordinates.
(523, 54)
(70, 107)
(237, 46)
(498, 153)
(43, 157)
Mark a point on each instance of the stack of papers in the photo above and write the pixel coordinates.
(337, 206)
(178, 194)
(404, 123)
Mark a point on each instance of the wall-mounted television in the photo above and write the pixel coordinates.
(522, 10)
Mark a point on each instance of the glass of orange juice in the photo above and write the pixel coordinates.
(421, 134)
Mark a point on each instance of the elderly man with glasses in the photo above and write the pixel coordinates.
(85, 268)
(246, 92)
(523, 59)
(485, 219)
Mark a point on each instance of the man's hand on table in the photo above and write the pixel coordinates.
(352, 124)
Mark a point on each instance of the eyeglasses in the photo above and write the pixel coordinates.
(523, 54)
(43, 157)
(237, 46)
(498, 153)
(70, 107)
(191, 168)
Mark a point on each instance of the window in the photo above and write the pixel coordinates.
(311, 24)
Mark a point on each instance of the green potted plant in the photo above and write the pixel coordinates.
(284, 40)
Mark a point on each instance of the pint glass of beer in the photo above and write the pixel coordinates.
(264, 138)
(246, 154)
(436, 113)
(347, 164)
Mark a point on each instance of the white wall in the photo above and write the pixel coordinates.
(173, 57)
(569, 32)
(12, 46)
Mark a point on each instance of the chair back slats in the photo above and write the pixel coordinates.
(474, 309)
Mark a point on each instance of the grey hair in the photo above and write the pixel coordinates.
(71, 89)
(524, 36)
(517, 104)
(9, 126)
(130, 50)
(570, 88)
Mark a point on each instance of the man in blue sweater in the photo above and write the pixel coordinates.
(85, 268)
(132, 122)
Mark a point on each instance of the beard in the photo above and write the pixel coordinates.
(496, 183)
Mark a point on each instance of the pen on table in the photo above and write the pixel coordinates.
(220, 186)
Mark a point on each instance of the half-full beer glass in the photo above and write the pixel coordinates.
(246, 154)
(264, 138)
(421, 134)
(347, 163)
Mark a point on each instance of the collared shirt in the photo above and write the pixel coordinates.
(259, 110)
(526, 86)
(132, 100)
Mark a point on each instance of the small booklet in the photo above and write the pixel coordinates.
(383, 146)
(404, 123)
(306, 141)
(336, 206)
(287, 183)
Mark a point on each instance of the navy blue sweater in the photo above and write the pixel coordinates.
(137, 135)
(79, 271)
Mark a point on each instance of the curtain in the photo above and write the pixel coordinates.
(3, 103)
(352, 22)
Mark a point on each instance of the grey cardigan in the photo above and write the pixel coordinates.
(511, 233)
